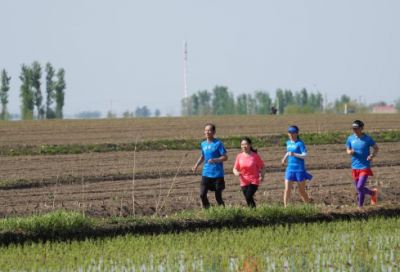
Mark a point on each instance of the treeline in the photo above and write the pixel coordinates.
(138, 113)
(222, 102)
(33, 105)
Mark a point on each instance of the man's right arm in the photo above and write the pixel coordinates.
(199, 162)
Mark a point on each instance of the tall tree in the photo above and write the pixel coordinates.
(312, 101)
(263, 102)
(315, 101)
(5, 87)
(320, 101)
(339, 103)
(223, 102)
(26, 94)
(190, 105)
(50, 95)
(297, 99)
(303, 97)
(251, 104)
(204, 102)
(36, 75)
(60, 93)
(288, 98)
(279, 101)
(241, 104)
(194, 99)
(345, 99)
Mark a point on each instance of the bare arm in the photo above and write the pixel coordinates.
(376, 149)
(350, 151)
(262, 173)
(284, 158)
(236, 172)
(199, 162)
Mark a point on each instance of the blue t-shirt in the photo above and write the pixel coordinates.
(361, 148)
(295, 164)
(213, 150)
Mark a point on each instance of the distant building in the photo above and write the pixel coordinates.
(383, 109)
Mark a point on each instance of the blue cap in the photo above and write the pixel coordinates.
(293, 130)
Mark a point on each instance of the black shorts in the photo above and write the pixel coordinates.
(213, 184)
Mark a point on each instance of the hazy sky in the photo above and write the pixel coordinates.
(125, 54)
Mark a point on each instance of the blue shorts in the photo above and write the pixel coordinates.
(297, 176)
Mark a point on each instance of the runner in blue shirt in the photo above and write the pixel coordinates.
(214, 154)
(296, 170)
(358, 146)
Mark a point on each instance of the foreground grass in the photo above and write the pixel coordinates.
(355, 245)
(329, 137)
(63, 225)
(51, 224)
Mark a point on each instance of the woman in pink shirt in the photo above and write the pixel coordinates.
(251, 170)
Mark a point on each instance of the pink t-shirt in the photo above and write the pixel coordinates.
(249, 168)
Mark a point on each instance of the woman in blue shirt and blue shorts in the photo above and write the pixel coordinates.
(295, 171)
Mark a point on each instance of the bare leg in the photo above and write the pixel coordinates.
(303, 193)
(288, 191)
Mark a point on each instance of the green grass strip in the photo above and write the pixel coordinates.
(317, 138)
(62, 225)
(271, 212)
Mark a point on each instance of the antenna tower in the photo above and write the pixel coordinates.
(185, 68)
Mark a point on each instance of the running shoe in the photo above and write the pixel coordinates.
(374, 197)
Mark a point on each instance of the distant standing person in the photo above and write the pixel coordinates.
(358, 146)
(296, 170)
(251, 170)
(273, 110)
(214, 154)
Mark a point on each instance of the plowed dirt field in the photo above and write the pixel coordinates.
(98, 131)
(101, 185)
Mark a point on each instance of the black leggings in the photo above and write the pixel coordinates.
(248, 192)
(204, 199)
